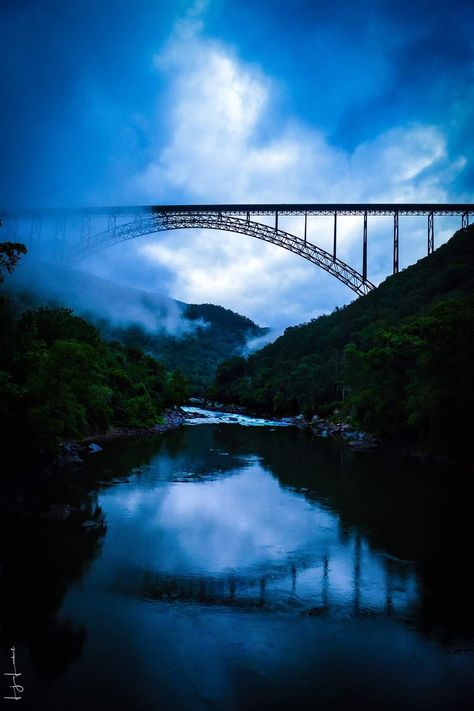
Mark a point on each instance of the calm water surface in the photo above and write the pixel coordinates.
(245, 568)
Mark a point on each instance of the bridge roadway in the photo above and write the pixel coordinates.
(380, 209)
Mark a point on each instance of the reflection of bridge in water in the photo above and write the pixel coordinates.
(308, 587)
(80, 233)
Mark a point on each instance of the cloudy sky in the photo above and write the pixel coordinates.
(173, 101)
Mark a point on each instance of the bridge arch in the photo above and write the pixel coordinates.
(144, 224)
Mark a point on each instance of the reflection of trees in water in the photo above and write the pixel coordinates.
(40, 558)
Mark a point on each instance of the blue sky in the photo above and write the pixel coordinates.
(174, 101)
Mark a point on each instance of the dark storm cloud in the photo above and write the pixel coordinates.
(358, 68)
(73, 77)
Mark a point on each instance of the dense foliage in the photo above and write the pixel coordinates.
(10, 253)
(59, 379)
(399, 360)
(215, 334)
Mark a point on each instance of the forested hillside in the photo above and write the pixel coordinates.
(193, 338)
(59, 379)
(217, 334)
(398, 361)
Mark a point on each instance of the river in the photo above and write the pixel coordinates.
(237, 568)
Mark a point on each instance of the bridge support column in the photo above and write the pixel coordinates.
(60, 238)
(112, 224)
(276, 221)
(86, 229)
(395, 243)
(364, 250)
(35, 231)
(465, 220)
(430, 233)
(334, 246)
(305, 225)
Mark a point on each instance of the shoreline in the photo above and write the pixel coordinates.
(174, 418)
(353, 438)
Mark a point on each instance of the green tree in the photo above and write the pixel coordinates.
(10, 253)
(176, 390)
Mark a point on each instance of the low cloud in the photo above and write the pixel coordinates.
(255, 344)
(102, 300)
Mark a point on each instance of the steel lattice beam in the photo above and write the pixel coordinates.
(228, 223)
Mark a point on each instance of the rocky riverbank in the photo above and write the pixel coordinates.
(71, 452)
(32, 493)
(171, 419)
(356, 439)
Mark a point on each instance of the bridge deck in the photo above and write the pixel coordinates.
(253, 209)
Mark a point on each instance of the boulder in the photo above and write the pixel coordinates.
(92, 525)
(93, 448)
(363, 444)
(57, 512)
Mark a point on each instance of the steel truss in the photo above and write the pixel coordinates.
(126, 222)
(162, 221)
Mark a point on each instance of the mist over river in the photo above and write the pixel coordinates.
(245, 568)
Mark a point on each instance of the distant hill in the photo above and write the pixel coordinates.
(191, 337)
(212, 335)
(399, 360)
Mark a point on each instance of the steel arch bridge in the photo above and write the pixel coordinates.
(119, 224)
(227, 223)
